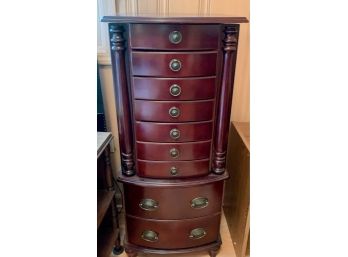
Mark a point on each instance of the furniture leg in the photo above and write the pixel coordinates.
(213, 252)
(131, 253)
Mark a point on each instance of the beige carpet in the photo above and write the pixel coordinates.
(226, 249)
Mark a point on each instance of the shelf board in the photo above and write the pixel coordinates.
(103, 139)
(104, 200)
(106, 241)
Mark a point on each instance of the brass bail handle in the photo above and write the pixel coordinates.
(148, 204)
(149, 235)
(197, 233)
(199, 203)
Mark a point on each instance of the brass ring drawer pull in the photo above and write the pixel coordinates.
(148, 204)
(175, 65)
(174, 133)
(175, 37)
(199, 203)
(174, 112)
(197, 233)
(173, 171)
(149, 235)
(174, 153)
(175, 90)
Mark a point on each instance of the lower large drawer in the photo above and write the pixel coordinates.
(168, 202)
(173, 234)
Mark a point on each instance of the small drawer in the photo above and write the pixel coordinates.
(174, 36)
(164, 64)
(173, 111)
(172, 169)
(173, 132)
(173, 234)
(174, 89)
(173, 151)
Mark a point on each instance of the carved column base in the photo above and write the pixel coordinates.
(219, 163)
(128, 164)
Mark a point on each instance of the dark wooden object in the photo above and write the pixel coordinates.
(189, 131)
(159, 88)
(205, 37)
(193, 64)
(163, 169)
(107, 218)
(117, 47)
(174, 81)
(225, 98)
(158, 110)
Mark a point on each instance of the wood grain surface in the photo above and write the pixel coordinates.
(193, 36)
(226, 250)
(173, 203)
(193, 64)
(196, 88)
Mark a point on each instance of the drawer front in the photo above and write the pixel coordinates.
(174, 36)
(173, 151)
(171, 111)
(163, 64)
(173, 202)
(173, 169)
(174, 89)
(173, 132)
(173, 234)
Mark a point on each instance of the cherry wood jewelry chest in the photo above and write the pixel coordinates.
(173, 79)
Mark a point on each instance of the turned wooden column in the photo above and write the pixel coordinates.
(225, 96)
(117, 46)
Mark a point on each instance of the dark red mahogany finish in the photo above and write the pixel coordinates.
(194, 37)
(173, 234)
(159, 88)
(193, 64)
(161, 151)
(146, 64)
(224, 110)
(160, 132)
(122, 100)
(159, 110)
(172, 231)
(162, 169)
(173, 203)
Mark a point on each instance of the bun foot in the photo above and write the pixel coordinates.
(131, 253)
(214, 252)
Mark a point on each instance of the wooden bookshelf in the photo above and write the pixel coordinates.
(237, 188)
(104, 201)
(107, 216)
